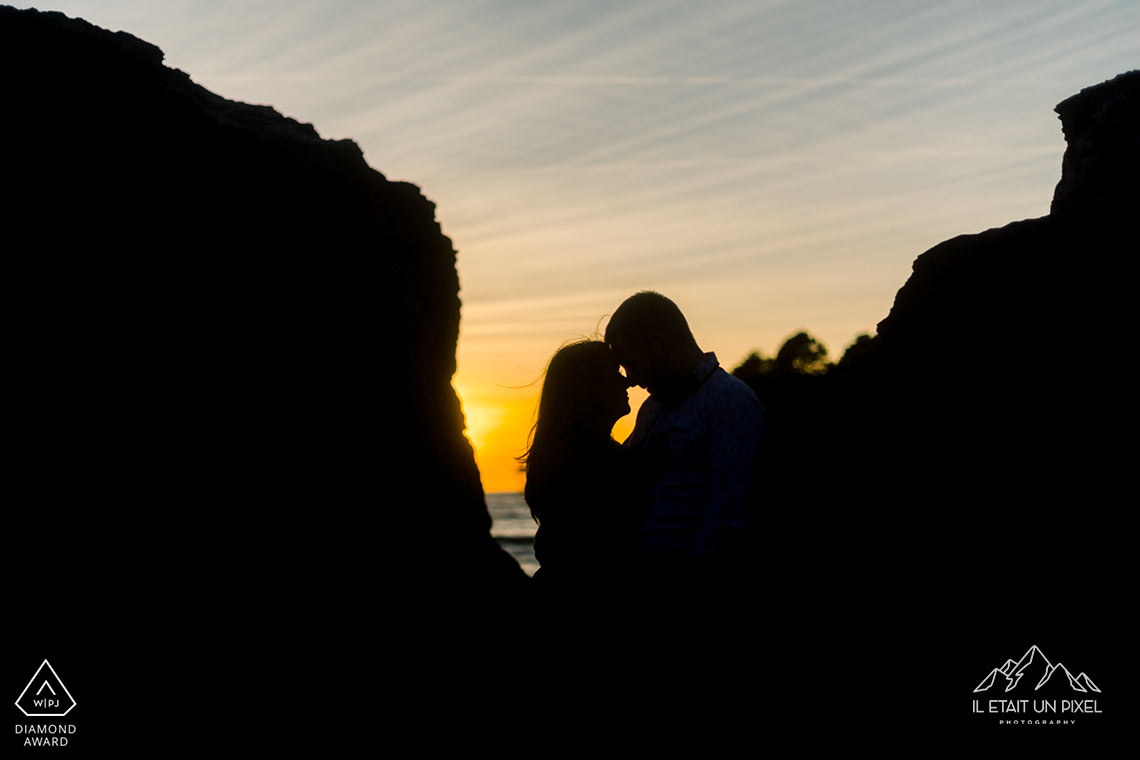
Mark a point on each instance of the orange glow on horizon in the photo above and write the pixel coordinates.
(499, 421)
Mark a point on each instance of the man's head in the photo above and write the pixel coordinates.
(652, 340)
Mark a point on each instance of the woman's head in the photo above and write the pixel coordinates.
(583, 395)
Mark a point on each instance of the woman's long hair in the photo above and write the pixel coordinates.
(568, 390)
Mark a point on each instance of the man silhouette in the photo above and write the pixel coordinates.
(698, 437)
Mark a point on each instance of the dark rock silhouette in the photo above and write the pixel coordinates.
(976, 447)
(229, 359)
(1102, 159)
(992, 381)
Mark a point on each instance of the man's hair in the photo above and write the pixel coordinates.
(646, 314)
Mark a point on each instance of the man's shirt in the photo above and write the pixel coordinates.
(701, 451)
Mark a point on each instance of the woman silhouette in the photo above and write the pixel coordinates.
(578, 485)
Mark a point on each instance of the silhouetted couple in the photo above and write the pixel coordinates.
(659, 521)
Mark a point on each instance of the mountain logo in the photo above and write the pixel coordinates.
(45, 696)
(1034, 672)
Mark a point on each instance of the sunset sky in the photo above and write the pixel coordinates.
(771, 166)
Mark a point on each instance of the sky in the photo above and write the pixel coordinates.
(770, 166)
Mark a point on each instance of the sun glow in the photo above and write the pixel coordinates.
(481, 422)
(498, 420)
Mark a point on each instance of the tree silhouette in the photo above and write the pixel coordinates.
(801, 354)
(754, 366)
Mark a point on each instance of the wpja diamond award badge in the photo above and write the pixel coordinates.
(45, 696)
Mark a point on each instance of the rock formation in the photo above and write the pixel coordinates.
(1002, 350)
(959, 480)
(230, 350)
(1102, 160)
(980, 444)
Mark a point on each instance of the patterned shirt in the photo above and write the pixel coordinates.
(700, 452)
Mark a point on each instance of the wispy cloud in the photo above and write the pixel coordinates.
(775, 165)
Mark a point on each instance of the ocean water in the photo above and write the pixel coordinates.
(513, 527)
